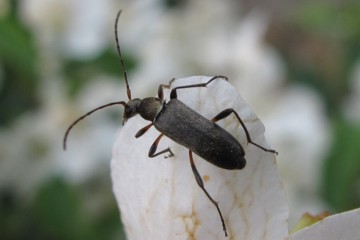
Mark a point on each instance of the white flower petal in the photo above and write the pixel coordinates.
(344, 226)
(160, 199)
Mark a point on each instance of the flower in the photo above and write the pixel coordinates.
(160, 199)
(340, 226)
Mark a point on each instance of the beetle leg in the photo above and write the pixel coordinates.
(226, 113)
(201, 185)
(153, 148)
(173, 91)
(161, 86)
(143, 130)
(161, 91)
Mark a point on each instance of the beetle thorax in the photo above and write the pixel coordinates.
(149, 108)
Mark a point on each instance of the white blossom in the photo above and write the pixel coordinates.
(159, 198)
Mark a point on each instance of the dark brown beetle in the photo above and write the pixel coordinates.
(185, 126)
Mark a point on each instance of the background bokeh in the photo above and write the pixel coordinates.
(297, 63)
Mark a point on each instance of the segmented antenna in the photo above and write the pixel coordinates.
(109, 104)
(121, 59)
(85, 115)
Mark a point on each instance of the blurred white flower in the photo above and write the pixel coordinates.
(90, 141)
(299, 129)
(32, 147)
(79, 28)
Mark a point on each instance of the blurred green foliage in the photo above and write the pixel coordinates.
(340, 19)
(78, 72)
(342, 168)
(18, 67)
(338, 24)
(174, 4)
(335, 25)
(57, 211)
(319, 43)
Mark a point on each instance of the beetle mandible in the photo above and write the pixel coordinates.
(183, 125)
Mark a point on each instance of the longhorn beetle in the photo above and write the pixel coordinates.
(183, 125)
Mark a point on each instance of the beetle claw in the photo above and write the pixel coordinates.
(171, 154)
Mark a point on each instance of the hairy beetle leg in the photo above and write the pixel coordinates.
(153, 148)
(173, 91)
(201, 185)
(225, 113)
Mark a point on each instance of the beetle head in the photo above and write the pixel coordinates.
(131, 109)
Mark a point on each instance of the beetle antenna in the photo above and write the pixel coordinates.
(119, 52)
(85, 115)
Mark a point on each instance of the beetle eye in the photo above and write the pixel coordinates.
(129, 112)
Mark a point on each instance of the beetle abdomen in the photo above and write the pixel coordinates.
(205, 138)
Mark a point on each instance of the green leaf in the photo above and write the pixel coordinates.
(342, 168)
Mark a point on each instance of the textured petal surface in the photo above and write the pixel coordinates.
(160, 199)
(344, 226)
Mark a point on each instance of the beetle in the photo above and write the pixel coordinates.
(183, 125)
